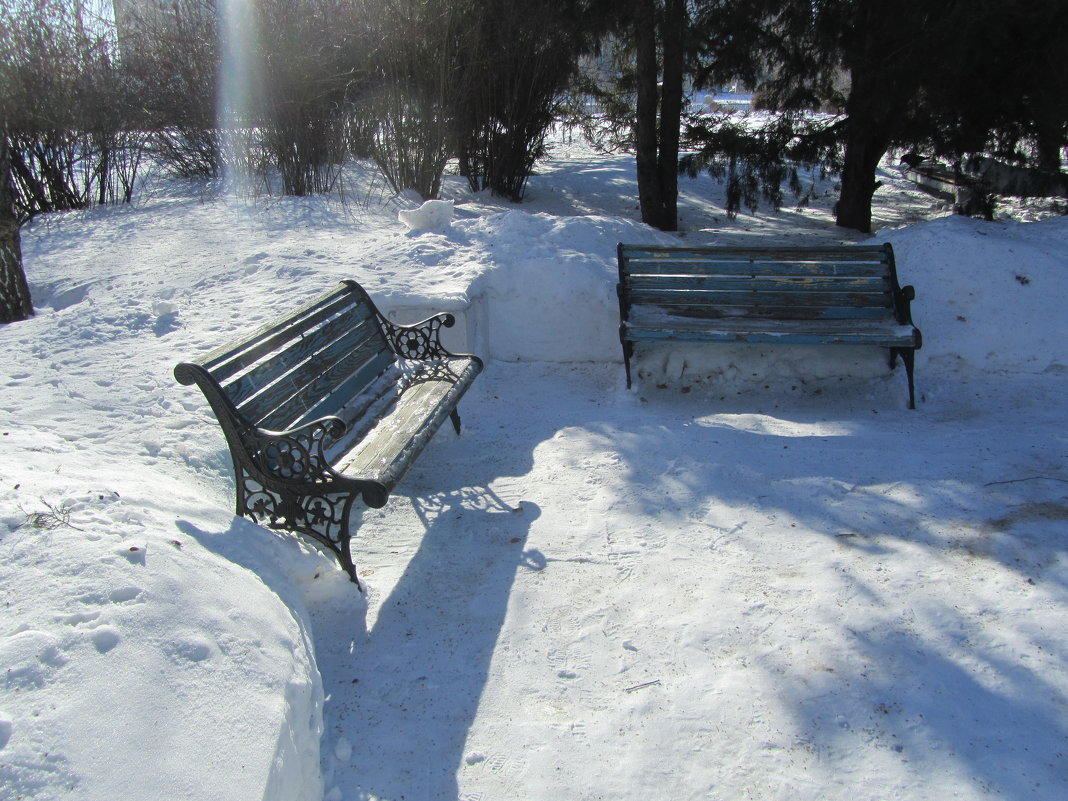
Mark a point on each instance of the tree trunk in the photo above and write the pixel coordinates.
(1050, 141)
(658, 118)
(673, 38)
(863, 153)
(645, 128)
(15, 303)
(870, 124)
(876, 87)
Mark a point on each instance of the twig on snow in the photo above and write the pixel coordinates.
(1029, 478)
(640, 686)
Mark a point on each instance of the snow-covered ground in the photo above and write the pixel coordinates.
(755, 576)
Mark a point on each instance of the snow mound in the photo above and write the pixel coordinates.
(180, 643)
(157, 647)
(431, 215)
(975, 278)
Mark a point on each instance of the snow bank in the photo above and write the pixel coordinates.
(974, 279)
(548, 289)
(155, 646)
(151, 651)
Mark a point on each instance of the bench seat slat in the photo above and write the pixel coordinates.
(396, 435)
(875, 332)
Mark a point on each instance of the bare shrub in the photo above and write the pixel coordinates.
(171, 54)
(72, 128)
(308, 62)
(410, 99)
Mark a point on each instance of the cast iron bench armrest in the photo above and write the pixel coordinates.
(420, 340)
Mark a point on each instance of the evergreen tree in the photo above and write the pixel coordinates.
(637, 86)
(953, 78)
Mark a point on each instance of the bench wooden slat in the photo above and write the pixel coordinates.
(875, 332)
(387, 441)
(845, 269)
(290, 354)
(386, 450)
(328, 393)
(229, 361)
(774, 338)
(358, 382)
(319, 375)
(740, 300)
(760, 283)
(814, 253)
(793, 312)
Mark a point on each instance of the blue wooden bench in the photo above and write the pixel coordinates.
(844, 295)
(329, 404)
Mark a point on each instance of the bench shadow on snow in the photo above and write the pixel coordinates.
(408, 693)
(405, 692)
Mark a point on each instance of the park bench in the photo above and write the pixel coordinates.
(838, 295)
(329, 404)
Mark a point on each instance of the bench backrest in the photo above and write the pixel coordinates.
(302, 367)
(843, 282)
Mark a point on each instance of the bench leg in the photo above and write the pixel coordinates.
(628, 351)
(325, 518)
(455, 417)
(345, 560)
(909, 358)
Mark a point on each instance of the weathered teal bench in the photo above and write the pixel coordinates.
(844, 295)
(329, 404)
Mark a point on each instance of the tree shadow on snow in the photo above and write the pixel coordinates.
(868, 479)
(964, 687)
(986, 724)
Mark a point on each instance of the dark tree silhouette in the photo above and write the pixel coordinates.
(953, 78)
